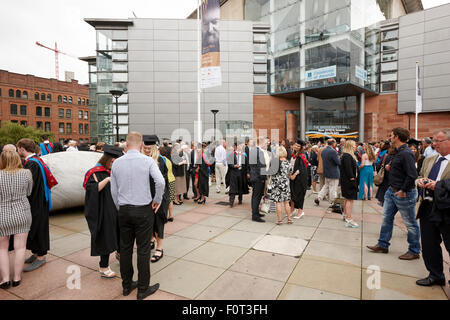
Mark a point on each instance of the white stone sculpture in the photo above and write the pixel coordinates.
(69, 169)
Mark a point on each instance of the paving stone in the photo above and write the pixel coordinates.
(238, 238)
(251, 226)
(185, 278)
(64, 246)
(237, 286)
(397, 287)
(342, 237)
(200, 232)
(58, 232)
(5, 295)
(266, 265)
(293, 231)
(61, 217)
(294, 292)
(177, 247)
(192, 217)
(331, 277)
(77, 225)
(208, 209)
(281, 245)
(398, 244)
(49, 277)
(220, 222)
(375, 228)
(308, 221)
(216, 255)
(237, 213)
(84, 258)
(333, 253)
(158, 295)
(337, 225)
(175, 226)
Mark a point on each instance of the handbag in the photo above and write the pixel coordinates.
(379, 177)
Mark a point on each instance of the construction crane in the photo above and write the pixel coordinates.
(57, 52)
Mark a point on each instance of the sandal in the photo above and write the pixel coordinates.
(280, 222)
(108, 274)
(156, 258)
(290, 221)
(351, 224)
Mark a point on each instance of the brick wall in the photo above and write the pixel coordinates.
(55, 88)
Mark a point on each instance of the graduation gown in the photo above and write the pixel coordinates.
(236, 179)
(300, 184)
(101, 216)
(38, 240)
(203, 176)
(161, 215)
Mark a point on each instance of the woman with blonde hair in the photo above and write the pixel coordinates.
(348, 182)
(16, 185)
(366, 172)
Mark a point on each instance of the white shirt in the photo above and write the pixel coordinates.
(429, 151)
(221, 155)
(72, 149)
(444, 165)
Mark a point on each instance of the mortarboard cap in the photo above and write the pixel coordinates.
(112, 151)
(301, 142)
(413, 142)
(150, 140)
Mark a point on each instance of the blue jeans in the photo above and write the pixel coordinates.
(407, 208)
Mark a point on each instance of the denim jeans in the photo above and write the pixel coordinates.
(407, 208)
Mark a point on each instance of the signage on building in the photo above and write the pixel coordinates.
(322, 73)
(210, 71)
(360, 73)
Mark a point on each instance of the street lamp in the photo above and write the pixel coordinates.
(214, 112)
(116, 94)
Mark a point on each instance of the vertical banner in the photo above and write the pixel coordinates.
(418, 98)
(210, 71)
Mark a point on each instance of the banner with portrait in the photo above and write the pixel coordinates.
(210, 71)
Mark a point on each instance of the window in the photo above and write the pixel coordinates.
(23, 110)
(389, 66)
(43, 96)
(388, 86)
(13, 109)
(259, 58)
(47, 112)
(389, 56)
(261, 47)
(120, 77)
(61, 113)
(61, 127)
(390, 34)
(120, 66)
(87, 101)
(18, 94)
(68, 128)
(23, 123)
(86, 115)
(80, 115)
(36, 96)
(259, 37)
(84, 102)
(80, 128)
(48, 127)
(389, 76)
(390, 45)
(120, 45)
(65, 99)
(260, 68)
(11, 93)
(0, 92)
(59, 99)
(86, 129)
(259, 78)
(70, 100)
(120, 56)
(14, 121)
(39, 111)
(25, 95)
(39, 125)
(79, 101)
(49, 97)
(68, 113)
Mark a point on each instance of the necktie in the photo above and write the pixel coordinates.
(436, 168)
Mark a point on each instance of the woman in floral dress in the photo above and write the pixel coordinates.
(280, 186)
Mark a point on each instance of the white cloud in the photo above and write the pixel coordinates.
(433, 3)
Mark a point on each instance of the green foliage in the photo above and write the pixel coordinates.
(13, 132)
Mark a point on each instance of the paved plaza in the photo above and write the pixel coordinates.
(215, 252)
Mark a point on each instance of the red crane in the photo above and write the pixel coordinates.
(57, 52)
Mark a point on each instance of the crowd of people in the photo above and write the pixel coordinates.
(131, 193)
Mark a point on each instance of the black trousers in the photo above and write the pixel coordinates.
(432, 236)
(193, 182)
(104, 261)
(188, 179)
(233, 196)
(257, 194)
(135, 223)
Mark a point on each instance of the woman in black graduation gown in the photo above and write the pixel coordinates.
(100, 210)
(203, 175)
(349, 186)
(236, 178)
(299, 180)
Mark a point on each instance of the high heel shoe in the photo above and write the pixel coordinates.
(5, 285)
(202, 202)
(196, 199)
(16, 283)
(351, 224)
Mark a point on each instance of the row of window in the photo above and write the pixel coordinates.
(63, 127)
(23, 112)
(44, 97)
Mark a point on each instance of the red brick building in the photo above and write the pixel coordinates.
(48, 104)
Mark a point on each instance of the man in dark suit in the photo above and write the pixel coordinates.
(257, 177)
(434, 208)
(331, 173)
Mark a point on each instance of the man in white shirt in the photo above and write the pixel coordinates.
(428, 145)
(221, 165)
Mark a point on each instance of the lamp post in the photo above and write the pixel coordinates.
(116, 94)
(214, 112)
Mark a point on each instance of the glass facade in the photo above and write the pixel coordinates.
(315, 43)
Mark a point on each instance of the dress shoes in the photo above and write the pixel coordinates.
(5, 285)
(127, 291)
(409, 256)
(378, 249)
(16, 283)
(231, 205)
(150, 290)
(258, 219)
(428, 282)
(261, 215)
(317, 201)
